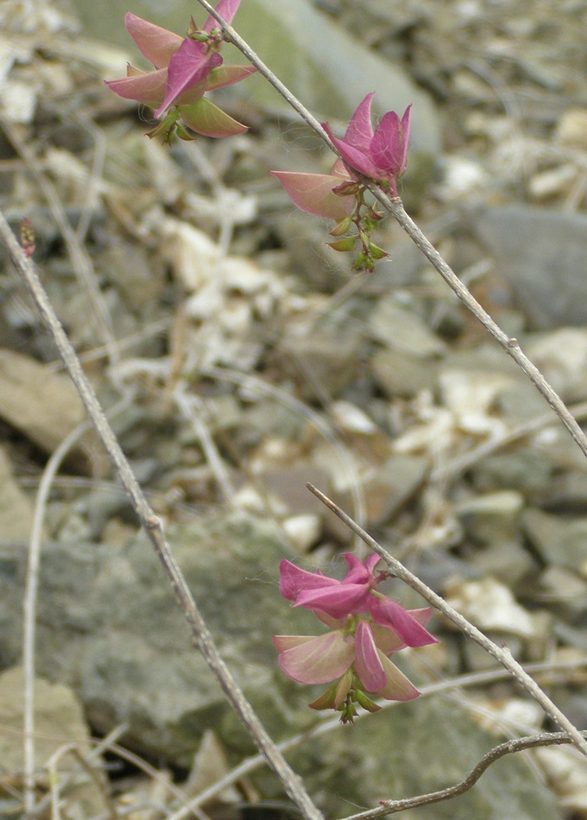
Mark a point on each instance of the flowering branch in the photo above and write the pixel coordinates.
(154, 530)
(395, 207)
(509, 747)
(501, 654)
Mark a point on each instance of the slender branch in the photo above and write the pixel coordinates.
(154, 530)
(509, 747)
(502, 655)
(395, 207)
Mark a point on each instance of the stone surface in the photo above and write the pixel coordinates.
(560, 540)
(398, 327)
(16, 508)
(400, 374)
(43, 405)
(542, 253)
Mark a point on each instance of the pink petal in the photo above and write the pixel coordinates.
(339, 169)
(371, 562)
(147, 88)
(293, 580)
(388, 640)
(338, 601)
(360, 131)
(406, 119)
(313, 193)
(319, 660)
(387, 147)
(357, 573)
(397, 686)
(353, 156)
(155, 43)
(226, 9)
(331, 623)
(368, 665)
(207, 119)
(189, 66)
(228, 75)
(389, 613)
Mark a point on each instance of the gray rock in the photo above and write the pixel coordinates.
(42, 405)
(16, 508)
(492, 518)
(559, 540)
(399, 328)
(400, 374)
(526, 471)
(393, 485)
(542, 253)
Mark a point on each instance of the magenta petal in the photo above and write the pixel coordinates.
(226, 9)
(357, 573)
(155, 43)
(371, 562)
(368, 664)
(397, 686)
(389, 613)
(353, 156)
(228, 75)
(146, 88)
(359, 132)
(387, 148)
(293, 580)
(319, 660)
(189, 66)
(313, 193)
(405, 125)
(338, 601)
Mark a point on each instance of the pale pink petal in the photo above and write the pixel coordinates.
(339, 169)
(155, 43)
(359, 132)
(293, 580)
(320, 660)
(313, 193)
(189, 66)
(397, 686)
(390, 613)
(353, 156)
(147, 88)
(207, 119)
(338, 601)
(283, 642)
(368, 665)
(228, 75)
(226, 9)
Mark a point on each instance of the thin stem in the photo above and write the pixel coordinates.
(501, 654)
(154, 530)
(509, 747)
(395, 207)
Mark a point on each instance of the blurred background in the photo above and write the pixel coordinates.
(240, 357)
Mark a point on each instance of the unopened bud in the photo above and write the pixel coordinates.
(376, 252)
(365, 701)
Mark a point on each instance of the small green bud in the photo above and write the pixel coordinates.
(326, 700)
(365, 701)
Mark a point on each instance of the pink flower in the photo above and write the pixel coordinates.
(316, 193)
(360, 648)
(380, 155)
(355, 594)
(184, 70)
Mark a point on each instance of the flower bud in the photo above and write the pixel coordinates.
(341, 227)
(344, 245)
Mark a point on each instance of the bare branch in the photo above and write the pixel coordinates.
(509, 747)
(154, 530)
(501, 654)
(395, 207)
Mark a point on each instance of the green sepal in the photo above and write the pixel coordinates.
(326, 700)
(341, 227)
(365, 701)
(376, 252)
(343, 245)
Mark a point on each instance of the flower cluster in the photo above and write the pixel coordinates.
(380, 155)
(184, 69)
(366, 628)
